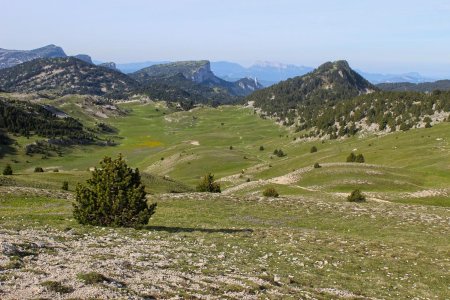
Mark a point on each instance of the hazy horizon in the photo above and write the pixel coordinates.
(374, 36)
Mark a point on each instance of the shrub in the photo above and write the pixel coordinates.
(317, 166)
(65, 186)
(270, 192)
(56, 286)
(38, 170)
(279, 153)
(114, 196)
(359, 158)
(55, 170)
(7, 170)
(231, 147)
(351, 157)
(261, 148)
(92, 278)
(356, 196)
(313, 149)
(207, 184)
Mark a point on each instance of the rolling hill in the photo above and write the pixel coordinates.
(326, 85)
(66, 75)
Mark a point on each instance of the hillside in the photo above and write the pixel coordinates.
(63, 76)
(326, 85)
(443, 85)
(200, 82)
(379, 112)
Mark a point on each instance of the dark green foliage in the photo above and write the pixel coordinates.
(313, 149)
(114, 196)
(27, 118)
(7, 170)
(270, 192)
(279, 153)
(351, 157)
(359, 158)
(261, 148)
(356, 196)
(92, 277)
(38, 170)
(317, 166)
(231, 147)
(57, 287)
(207, 184)
(437, 87)
(355, 158)
(65, 186)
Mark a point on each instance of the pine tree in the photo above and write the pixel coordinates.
(359, 158)
(7, 170)
(208, 185)
(351, 157)
(114, 196)
(356, 196)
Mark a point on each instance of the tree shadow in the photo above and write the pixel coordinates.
(6, 145)
(205, 230)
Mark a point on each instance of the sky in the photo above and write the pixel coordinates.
(382, 36)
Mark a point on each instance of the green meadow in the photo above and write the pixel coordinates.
(310, 243)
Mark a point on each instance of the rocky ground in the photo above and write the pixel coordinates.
(265, 260)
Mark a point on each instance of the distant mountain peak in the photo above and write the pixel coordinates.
(270, 64)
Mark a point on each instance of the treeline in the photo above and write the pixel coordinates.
(27, 119)
(390, 111)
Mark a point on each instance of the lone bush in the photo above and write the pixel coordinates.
(313, 149)
(65, 186)
(7, 170)
(317, 166)
(351, 157)
(359, 158)
(356, 196)
(114, 196)
(207, 184)
(270, 192)
(38, 170)
(261, 148)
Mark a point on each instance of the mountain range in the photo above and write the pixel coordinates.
(188, 82)
(267, 73)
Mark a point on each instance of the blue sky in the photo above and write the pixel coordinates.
(376, 36)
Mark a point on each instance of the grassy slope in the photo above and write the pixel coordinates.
(162, 142)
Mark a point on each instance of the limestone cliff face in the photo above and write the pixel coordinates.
(110, 65)
(10, 58)
(196, 71)
(203, 73)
